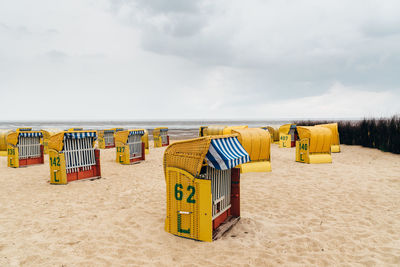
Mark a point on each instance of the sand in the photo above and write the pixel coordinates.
(345, 213)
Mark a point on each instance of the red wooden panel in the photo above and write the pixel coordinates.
(94, 171)
(33, 161)
(221, 218)
(167, 144)
(235, 192)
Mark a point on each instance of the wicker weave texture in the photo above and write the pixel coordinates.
(230, 129)
(215, 129)
(274, 133)
(145, 139)
(156, 131)
(187, 155)
(3, 139)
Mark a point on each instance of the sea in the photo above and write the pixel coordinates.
(178, 129)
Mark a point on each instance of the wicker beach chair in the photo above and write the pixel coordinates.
(203, 187)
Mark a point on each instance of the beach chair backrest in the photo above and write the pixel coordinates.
(79, 152)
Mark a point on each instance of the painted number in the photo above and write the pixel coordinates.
(121, 149)
(304, 146)
(55, 161)
(11, 151)
(179, 193)
(189, 199)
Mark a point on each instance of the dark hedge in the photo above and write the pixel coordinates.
(383, 133)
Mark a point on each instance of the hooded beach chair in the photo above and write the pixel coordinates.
(203, 186)
(160, 137)
(314, 145)
(72, 156)
(130, 147)
(287, 135)
(24, 147)
(274, 132)
(219, 129)
(3, 141)
(257, 143)
(105, 138)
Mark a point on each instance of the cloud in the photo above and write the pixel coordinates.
(56, 55)
(338, 102)
(172, 6)
(52, 31)
(296, 42)
(199, 59)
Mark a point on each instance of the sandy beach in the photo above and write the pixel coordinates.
(344, 213)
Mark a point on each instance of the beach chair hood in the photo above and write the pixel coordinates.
(122, 136)
(335, 132)
(56, 141)
(257, 142)
(219, 152)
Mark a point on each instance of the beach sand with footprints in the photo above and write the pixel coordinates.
(347, 212)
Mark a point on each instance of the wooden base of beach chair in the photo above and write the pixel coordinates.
(225, 226)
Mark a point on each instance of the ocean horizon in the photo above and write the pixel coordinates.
(146, 124)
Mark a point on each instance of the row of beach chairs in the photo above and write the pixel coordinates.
(202, 175)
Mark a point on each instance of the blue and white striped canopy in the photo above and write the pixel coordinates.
(136, 132)
(34, 134)
(226, 153)
(79, 135)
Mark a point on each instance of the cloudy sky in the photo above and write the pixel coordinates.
(213, 59)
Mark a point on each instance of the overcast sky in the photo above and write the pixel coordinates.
(181, 59)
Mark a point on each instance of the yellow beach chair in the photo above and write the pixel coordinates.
(287, 136)
(72, 156)
(203, 186)
(24, 147)
(3, 141)
(105, 138)
(314, 145)
(257, 143)
(160, 137)
(130, 147)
